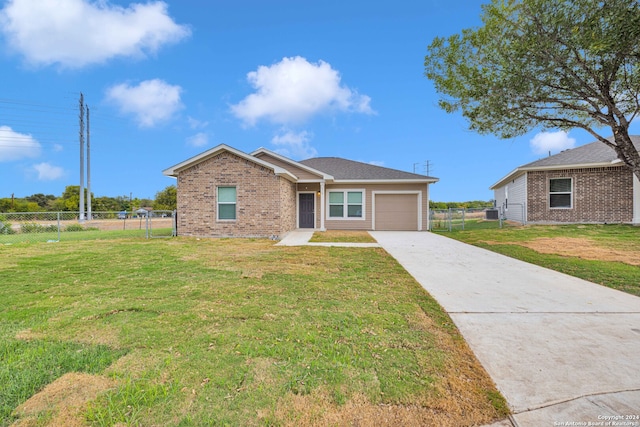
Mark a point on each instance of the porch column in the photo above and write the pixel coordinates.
(322, 209)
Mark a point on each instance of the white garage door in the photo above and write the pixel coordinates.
(396, 212)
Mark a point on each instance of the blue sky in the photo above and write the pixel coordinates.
(165, 81)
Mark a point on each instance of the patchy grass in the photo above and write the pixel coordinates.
(342, 236)
(234, 332)
(604, 254)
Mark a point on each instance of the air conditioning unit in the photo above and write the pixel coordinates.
(492, 214)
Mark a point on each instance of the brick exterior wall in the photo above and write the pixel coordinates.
(265, 202)
(288, 206)
(600, 195)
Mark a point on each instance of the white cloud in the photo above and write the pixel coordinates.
(48, 172)
(152, 101)
(15, 146)
(554, 142)
(376, 162)
(198, 140)
(76, 33)
(57, 147)
(294, 145)
(196, 124)
(293, 90)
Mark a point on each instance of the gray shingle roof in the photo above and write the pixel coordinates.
(348, 169)
(595, 152)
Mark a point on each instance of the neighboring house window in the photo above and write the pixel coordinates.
(346, 204)
(560, 193)
(227, 203)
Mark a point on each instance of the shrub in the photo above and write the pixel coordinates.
(32, 227)
(78, 227)
(5, 227)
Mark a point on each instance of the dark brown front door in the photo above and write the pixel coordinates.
(305, 210)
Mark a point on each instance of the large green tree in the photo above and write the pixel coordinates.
(546, 64)
(166, 199)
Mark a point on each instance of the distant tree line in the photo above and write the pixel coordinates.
(474, 204)
(69, 201)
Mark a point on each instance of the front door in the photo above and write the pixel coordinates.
(306, 205)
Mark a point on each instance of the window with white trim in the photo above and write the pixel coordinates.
(561, 193)
(346, 204)
(226, 203)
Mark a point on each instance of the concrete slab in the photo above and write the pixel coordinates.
(296, 238)
(560, 349)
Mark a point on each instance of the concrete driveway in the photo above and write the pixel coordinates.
(562, 351)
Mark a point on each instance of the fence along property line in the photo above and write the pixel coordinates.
(448, 219)
(29, 227)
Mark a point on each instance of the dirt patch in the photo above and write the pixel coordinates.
(63, 400)
(317, 409)
(580, 248)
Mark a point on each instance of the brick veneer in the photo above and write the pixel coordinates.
(265, 204)
(600, 195)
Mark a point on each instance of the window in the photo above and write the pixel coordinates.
(560, 193)
(345, 204)
(226, 203)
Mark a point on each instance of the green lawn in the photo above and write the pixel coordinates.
(604, 254)
(228, 332)
(342, 236)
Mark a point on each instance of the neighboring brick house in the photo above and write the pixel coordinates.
(224, 192)
(587, 184)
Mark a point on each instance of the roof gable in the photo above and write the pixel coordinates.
(286, 162)
(174, 170)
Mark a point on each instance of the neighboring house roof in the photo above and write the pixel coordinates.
(349, 170)
(173, 170)
(592, 155)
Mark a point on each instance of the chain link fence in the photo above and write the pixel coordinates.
(453, 218)
(31, 227)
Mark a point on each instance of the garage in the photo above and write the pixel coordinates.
(396, 211)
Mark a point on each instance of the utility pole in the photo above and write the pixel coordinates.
(81, 207)
(414, 167)
(88, 168)
(428, 167)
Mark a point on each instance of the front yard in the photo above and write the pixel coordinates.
(227, 332)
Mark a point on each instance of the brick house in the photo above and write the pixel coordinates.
(587, 184)
(224, 192)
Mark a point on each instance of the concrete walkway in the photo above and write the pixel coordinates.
(561, 350)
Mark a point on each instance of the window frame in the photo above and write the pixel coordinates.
(570, 193)
(345, 204)
(234, 203)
